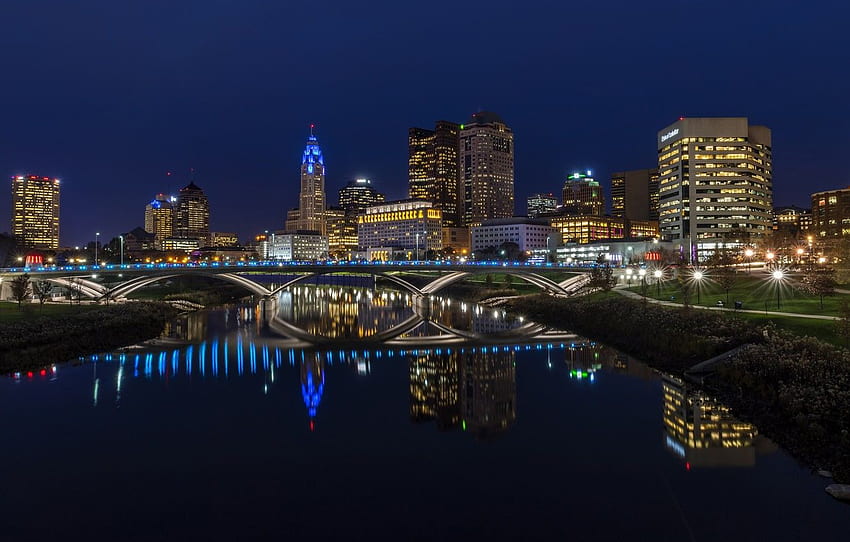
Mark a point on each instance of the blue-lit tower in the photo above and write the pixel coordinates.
(312, 385)
(312, 202)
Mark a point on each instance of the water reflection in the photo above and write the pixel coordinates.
(703, 432)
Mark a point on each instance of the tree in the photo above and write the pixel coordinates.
(725, 277)
(75, 289)
(42, 290)
(818, 281)
(602, 275)
(488, 280)
(686, 287)
(509, 280)
(20, 288)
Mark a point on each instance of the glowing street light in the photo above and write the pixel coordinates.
(96, 242)
(698, 276)
(658, 274)
(749, 254)
(642, 275)
(629, 272)
(777, 276)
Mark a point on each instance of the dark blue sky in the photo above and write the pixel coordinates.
(110, 95)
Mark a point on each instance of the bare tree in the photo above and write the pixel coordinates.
(42, 290)
(21, 288)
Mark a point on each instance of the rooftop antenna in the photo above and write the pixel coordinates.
(311, 129)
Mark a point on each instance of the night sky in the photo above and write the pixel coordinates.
(111, 95)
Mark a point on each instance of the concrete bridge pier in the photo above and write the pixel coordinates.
(422, 305)
(269, 306)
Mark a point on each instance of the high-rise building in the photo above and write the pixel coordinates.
(359, 194)
(192, 214)
(715, 183)
(35, 211)
(539, 204)
(342, 233)
(793, 220)
(587, 229)
(433, 168)
(486, 169)
(312, 200)
(831, 213)
(582, 195)
(634, 194)
(159, 218)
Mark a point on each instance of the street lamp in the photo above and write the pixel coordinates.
(698, 278)
(629, 276)
(121, 239)
(800, 252)
(417, 246)
(777, 276)
(642, 274)
(658, 274)
(96, 243)
(749, 254)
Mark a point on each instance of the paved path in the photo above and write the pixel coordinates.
(623, 291)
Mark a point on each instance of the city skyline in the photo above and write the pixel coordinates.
(111, 135)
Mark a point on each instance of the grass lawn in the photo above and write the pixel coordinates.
(9, 311)
(756, 292)
(820, 329)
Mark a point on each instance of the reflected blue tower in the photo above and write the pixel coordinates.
(312, 386)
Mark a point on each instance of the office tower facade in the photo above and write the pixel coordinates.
(539, 204)
(192, 214)
(432, 168)
(159, 219)
(410, 225)
(527, 233)
(715, 183)
(312, 201)
(486, 169)
(342, 233)
(831, 213)
(359, 194)
(587, 229)
(35, 211)
(634, 194)
(582, 195)
(794, 220)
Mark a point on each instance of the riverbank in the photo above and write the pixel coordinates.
(795, 389)
(35, 342)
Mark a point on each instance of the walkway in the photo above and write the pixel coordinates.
(623, 291)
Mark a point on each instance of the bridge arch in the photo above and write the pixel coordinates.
(392, 278)
(88, 288)
(140, 282)
(531, 277)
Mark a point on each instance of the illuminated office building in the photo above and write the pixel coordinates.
(527, 233)
(793, 220)
(359, 194)
(305, 245)
(540, 204)
(192, 214)
(582, 195)
(35, 211)
(586, 229)
(634, 194)
(715, 182)
(831, 214)
(410, 225)
(432, 168)
(342, 233)
(159, 219)
(310, 214)
(488, 393)
(702, 431)
(435, 389)
(486, 169)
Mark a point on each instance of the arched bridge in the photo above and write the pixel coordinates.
(115, 285)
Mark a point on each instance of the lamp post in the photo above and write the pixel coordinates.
(777, 275)
(770, 255)
(642, 275)
(96, 243)
(698, 278)
(800, 252)
(658, 274)
(629, 276)
(749, 254)
(417, 246)
(121, 240)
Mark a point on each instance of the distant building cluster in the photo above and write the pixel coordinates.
(710, 189)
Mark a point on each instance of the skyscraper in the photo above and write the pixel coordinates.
(359, 194)
(582, 195)
(312, 201)
(715, 183)
(486, 168)
(634, 194)
(159, 219)
(192, 214)
(432, 168)
(539, 204)
(35, 211)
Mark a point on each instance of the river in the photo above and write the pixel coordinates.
(222, 430)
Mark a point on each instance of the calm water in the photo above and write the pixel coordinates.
(223, 432)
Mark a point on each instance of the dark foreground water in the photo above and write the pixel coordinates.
(236, 438)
